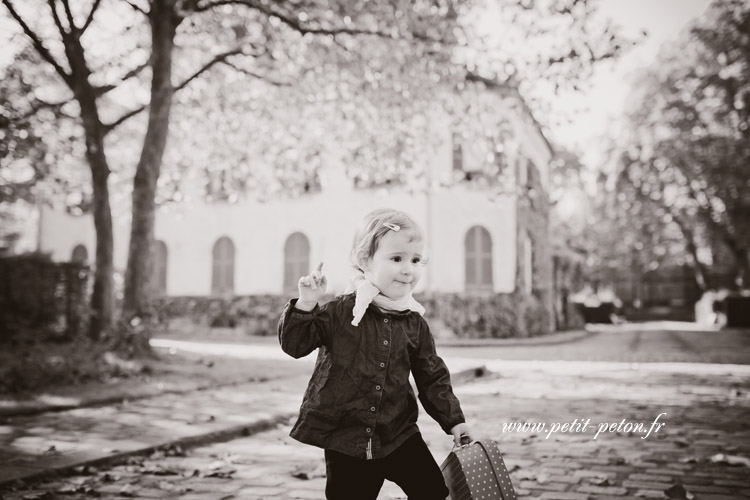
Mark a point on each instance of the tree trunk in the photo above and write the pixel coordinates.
(138, 285)
(102, 307)
(102, 310)
(737, 249)
(699, 270)
(743, 266)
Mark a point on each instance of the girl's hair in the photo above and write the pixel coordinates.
(373, 227)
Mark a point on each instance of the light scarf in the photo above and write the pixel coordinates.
(368, 293)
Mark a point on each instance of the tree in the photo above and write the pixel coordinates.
(617, 228)
(265, 41)
(690, 141)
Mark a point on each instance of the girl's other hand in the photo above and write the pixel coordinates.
(312, 287)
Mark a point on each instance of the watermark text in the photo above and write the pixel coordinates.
(645, 429)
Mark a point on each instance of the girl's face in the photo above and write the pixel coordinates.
(397, 264)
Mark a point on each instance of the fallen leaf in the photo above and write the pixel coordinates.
(679, 492)
(166, 485)
(307, 473)
(598, 480)
(75, 489)
(721, 458)
(52, 451)
(233, 459)
(37, 496)
(222, 473)
(159, 470)
(302, 475)
(85, 470)
(216, 464)
(127, 491)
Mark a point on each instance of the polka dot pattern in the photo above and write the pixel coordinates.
(477, 472)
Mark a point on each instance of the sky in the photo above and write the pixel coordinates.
(600, 105)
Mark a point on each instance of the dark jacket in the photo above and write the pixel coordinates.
(359, 400)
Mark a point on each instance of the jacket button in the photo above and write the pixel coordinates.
(372, 409)
(385, 320)
(382, 365)
(368, 430)
(385, 342)
(377, 387)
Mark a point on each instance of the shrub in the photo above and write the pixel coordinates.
(39, 295)
(468, 316)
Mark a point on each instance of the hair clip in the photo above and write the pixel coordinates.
(392, 226)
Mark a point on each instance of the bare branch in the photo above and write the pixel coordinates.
(256, 75)
(40, 105)
(91, 15)
(69, 15)
(294, 23)
(38, 45)
(217, 59)
(58, 22)
(124, 118)
(136, 8)
(130, 74)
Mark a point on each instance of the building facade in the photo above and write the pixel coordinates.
(479, 240)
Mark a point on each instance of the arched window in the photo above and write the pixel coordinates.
(80, 254)
(478, 251)
(296, 260)
(160, 267)
(222, 278)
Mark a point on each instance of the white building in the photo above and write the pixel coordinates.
(473, 237)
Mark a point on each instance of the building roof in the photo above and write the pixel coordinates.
(509, 87)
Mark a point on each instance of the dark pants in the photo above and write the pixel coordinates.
(411, 466)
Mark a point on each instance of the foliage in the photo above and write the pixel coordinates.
(672, 194)
(38, 143)
(686, 157)
(249, 92)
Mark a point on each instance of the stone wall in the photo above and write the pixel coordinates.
(532, 211)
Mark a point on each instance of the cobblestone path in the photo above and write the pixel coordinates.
(702, 451)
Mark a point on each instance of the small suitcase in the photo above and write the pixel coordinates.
(477, 472)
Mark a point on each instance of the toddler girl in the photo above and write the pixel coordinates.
(359, 406)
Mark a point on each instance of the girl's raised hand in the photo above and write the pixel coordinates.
(312, 287)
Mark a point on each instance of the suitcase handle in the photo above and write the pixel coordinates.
(465, 441)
